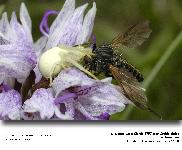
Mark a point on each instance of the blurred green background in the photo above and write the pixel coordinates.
(165, 16)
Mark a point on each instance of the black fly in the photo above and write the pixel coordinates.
(107, 60)
(107, 54)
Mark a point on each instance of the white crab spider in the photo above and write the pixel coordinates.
(54, 60)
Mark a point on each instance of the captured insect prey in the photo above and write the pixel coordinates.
(108, 60)
(107, 54)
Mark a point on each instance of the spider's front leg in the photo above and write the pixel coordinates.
(80, 67)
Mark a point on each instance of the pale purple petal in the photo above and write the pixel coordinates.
(18, 33)
(2, 77)
(4, 24)
(26, 21)
(17, 30)
(40, 45)
(17, 52)
(10, 105)
(38, 75)
(106, 99)
(69, 27)
(101, 97)
(72, 104)
(66, 11)
(89, 97)
(68, 78)
(3, 40)
(84, 112)
(4, 29)
(60, 23)
(16, 60)
(73, 27)
(87, 27)
(25, 18)
(41, 103)
(41, 107)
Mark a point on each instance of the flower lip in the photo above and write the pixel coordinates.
(44, 28)
(40, 104)
(65, 97)
(75, 92)
(95, 100)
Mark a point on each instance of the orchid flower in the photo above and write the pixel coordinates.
(72, 95)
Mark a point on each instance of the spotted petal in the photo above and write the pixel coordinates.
(17, 52)
(10, 105)
(87, 26)
(86, 96)
(106, 99)
(65, 13)
(4, 26)
(26, 21)
(40, 105)
(72, 27)
(68, 78)
(18, 33)
(24, 17)
(58, 26)
(15, 61)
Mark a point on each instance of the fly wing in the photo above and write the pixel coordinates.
(134, 36)
(130, 86)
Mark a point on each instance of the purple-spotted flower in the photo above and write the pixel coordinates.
(75, 96)
(17, 52)
(72, 94)
(84, 98)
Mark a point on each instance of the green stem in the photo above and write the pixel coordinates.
(162, 60)
(157, 68)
